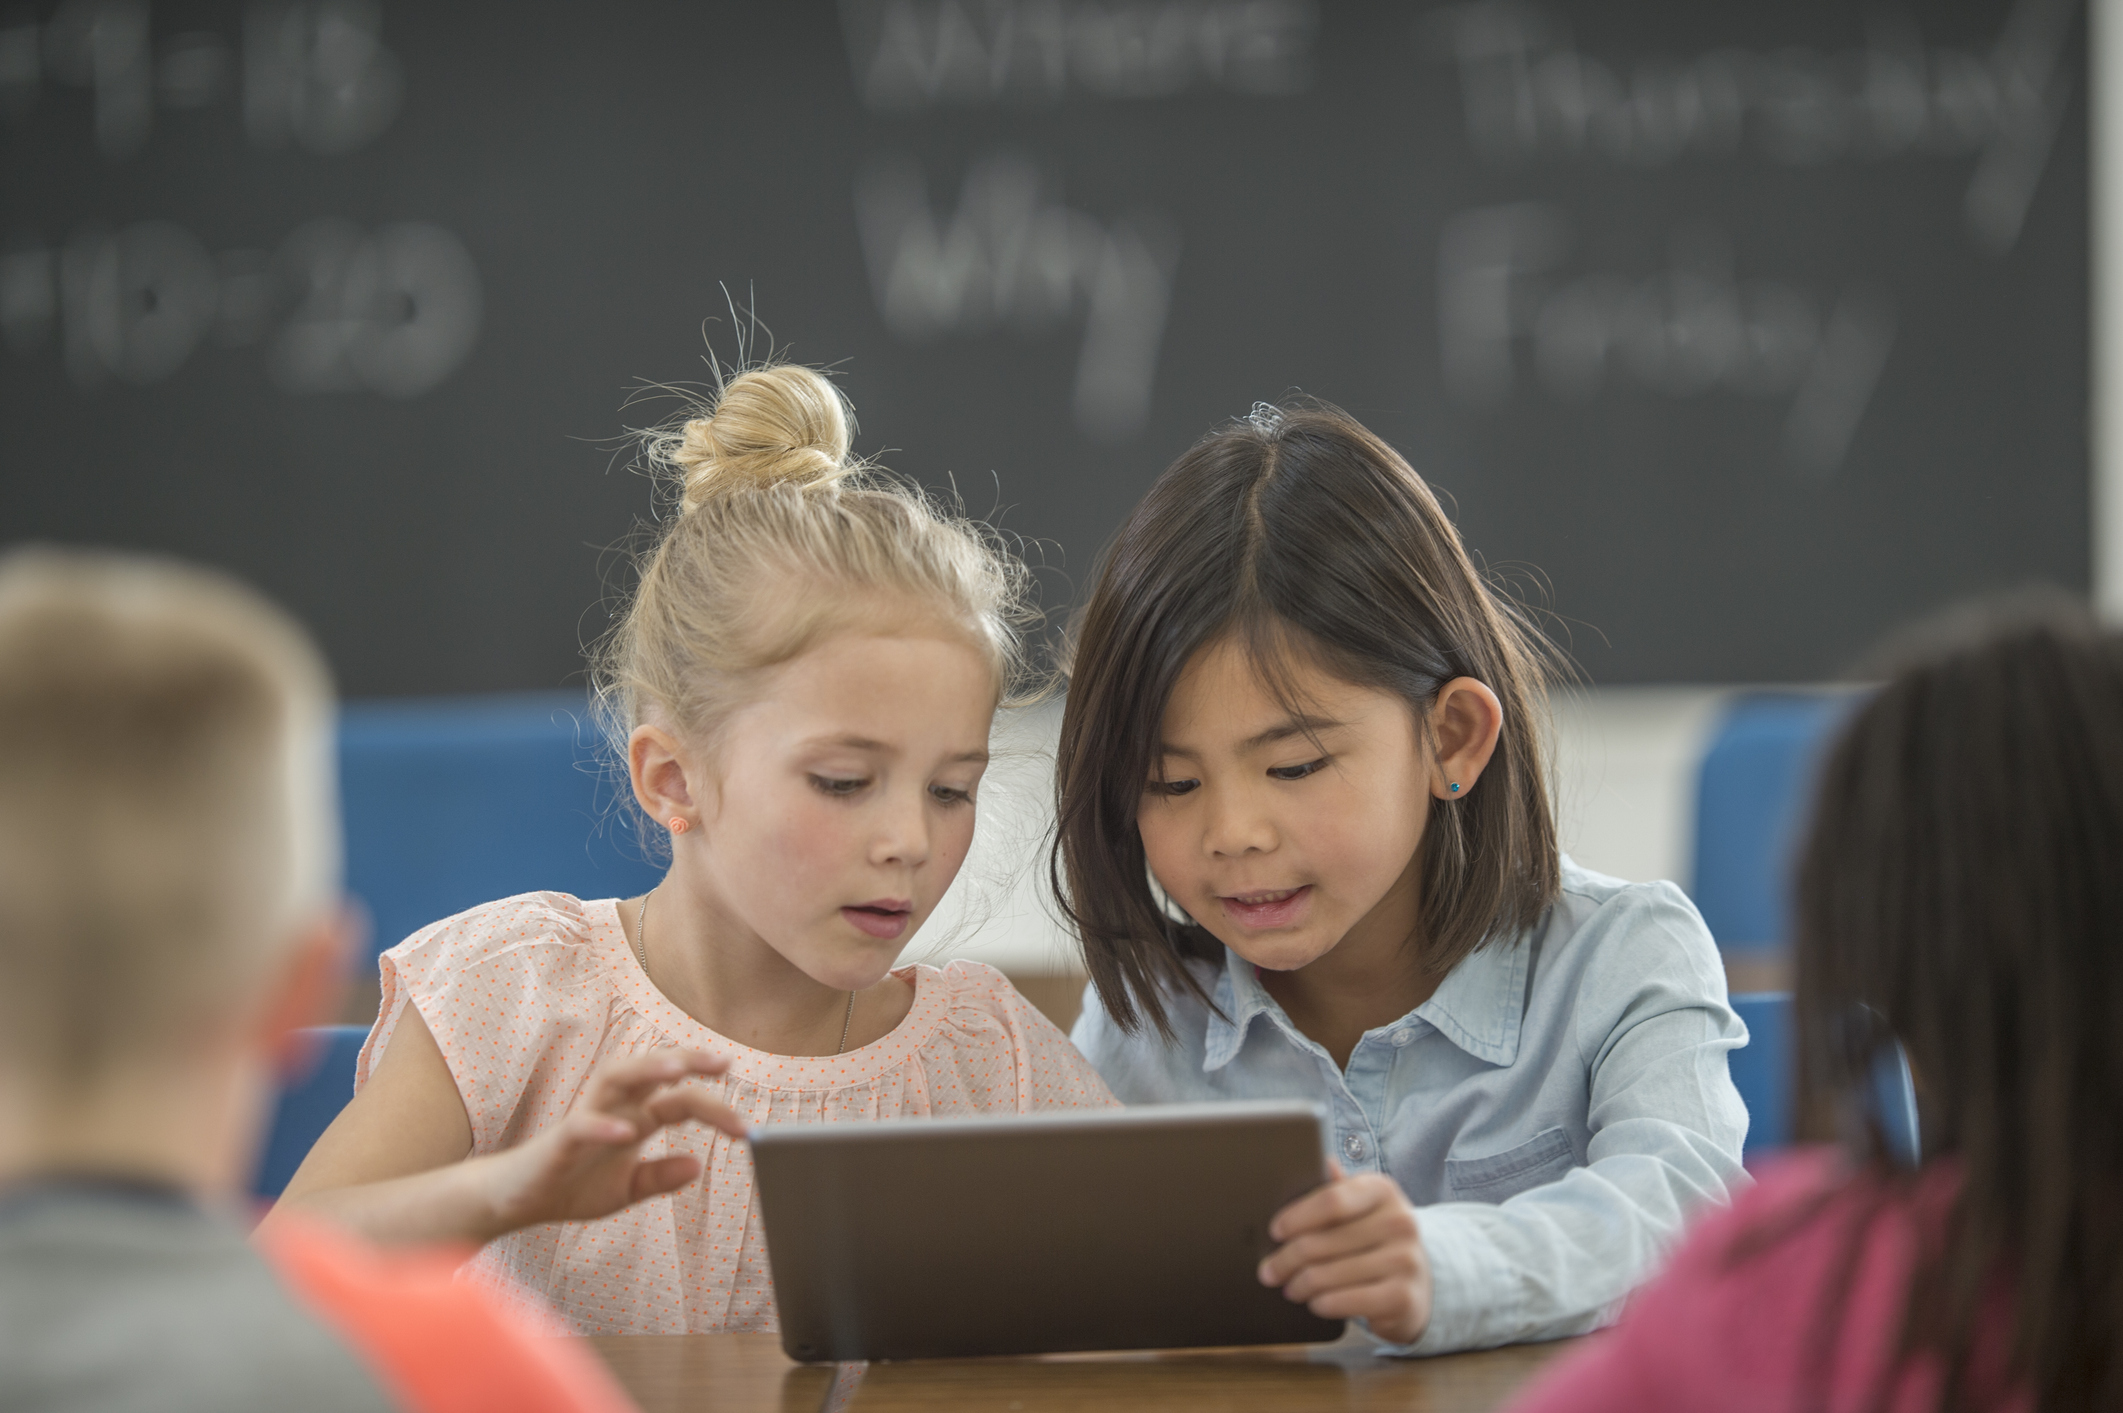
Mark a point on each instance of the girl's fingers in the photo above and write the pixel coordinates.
(1396, 1311)
(1367, 1267)
(660, 1175)
(586, 1128)
(678, 1105)
(632, 1079)
(626, 1081)
(1387, 1225)
(1332, 1205)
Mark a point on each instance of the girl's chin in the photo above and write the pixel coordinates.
(845, 981)
(850, 962)
(1279, 954)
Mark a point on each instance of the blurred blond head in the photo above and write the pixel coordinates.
(167, 811)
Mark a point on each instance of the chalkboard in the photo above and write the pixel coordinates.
(1737, 334)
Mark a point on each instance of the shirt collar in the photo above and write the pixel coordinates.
(1478, 1006)
(1239, 998)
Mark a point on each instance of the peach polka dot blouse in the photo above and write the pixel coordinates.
(527, 995)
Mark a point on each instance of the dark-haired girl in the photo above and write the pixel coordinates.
(1306, 838)
(1961, 890)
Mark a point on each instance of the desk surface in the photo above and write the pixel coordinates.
(739, 1373)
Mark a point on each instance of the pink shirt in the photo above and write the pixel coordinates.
(1732, 1323)
(527, 995)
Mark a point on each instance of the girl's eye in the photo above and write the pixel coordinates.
(1174, 787)
(835, 786)
(950, 795)
(1298, 772)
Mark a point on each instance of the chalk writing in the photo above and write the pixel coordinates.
(1013, 255)
(1529, 92)
(314, 73)
(921, 53)
(335, 308)
(1693, 328)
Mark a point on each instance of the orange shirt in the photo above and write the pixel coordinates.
(437, 1344)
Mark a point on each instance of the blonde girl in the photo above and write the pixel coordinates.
(1300, 713)
(801, 689)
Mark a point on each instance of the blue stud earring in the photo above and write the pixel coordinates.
(1454, 787)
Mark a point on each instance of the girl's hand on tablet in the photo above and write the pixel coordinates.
(1352, 1250)
(589, 1165)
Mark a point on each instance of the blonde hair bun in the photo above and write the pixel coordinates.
(782, 541)
(781, 424)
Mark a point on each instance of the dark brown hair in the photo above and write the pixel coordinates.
(1962, 890)
(1296, 532)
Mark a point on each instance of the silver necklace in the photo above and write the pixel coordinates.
(641, 954)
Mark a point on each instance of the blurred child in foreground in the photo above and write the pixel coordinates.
(1962, 890)
(169, 915)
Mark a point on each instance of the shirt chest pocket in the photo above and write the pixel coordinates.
(1540, 1159)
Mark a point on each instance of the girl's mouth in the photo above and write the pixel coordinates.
(1266, 908)
(886, 917)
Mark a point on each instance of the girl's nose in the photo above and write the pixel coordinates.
(1234, 825)
(902, 837)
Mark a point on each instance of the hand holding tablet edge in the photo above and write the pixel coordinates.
(1353, 1249)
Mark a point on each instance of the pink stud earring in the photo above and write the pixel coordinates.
(678, 824)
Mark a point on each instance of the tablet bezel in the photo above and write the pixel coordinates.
(900, 1239)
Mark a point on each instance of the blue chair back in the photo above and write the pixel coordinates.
(1751, 796)
(448, 804)
(1762, 1068)
(453, 803)
(1762, 1071)
(308, 1105)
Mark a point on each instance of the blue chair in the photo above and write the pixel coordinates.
(308, 1106)
(1751, 796)
(452, 803)
(1762, 1071)
(1762, 1068)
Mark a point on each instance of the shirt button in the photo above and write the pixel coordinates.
(1402, 1036)
(1355, 1147)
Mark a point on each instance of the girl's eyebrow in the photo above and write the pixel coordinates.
(864, 743)
(1295, 726)
(849, 740)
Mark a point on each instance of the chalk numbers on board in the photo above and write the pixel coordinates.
(393, 312)
(336, 307)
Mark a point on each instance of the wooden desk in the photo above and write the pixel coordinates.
(741, 1373)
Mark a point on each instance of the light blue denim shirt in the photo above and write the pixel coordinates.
(1555, 1111)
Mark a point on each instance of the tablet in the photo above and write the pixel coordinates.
(1079, 1230)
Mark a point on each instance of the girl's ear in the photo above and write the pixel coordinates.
(1465, 721)
(660, 770)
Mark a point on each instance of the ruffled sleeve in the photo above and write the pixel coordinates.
(518, 999)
